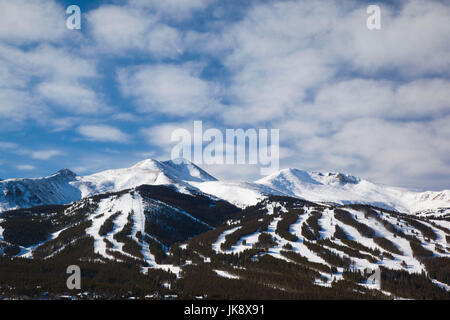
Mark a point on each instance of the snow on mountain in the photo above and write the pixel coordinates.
(187, 171)
(428, 201)
(136, 227)
(65, 186)
(344, 189)
(54, 189)
(241, 194)
(149, 171)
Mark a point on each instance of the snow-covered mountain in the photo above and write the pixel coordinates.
(174, 231)
(345, 189)
(151, 172)
(337, 188)
(65, 186)
(24, 193)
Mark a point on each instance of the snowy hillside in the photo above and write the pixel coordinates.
(24, 193)
(344, 189)
(121, 225)
(241, 194)
(335, 241)
(150, 172)
(297, 248)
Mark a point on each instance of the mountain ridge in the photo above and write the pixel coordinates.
(342, 188)
(65, 186)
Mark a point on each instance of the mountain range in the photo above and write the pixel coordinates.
(170, 230)
(65, 187)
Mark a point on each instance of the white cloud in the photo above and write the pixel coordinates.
(345, 98)
(26, 21)
(160, 135)
(164, 41)
(102, 133)
(73, 97)
(125, 116)
(59, 124)
(39, 67)
(275, 59)
(169, 89)
(414, 40)
(121, 29)
(356, 98)
(18, 105)
(267, 88)
(45, 154)
(423, 98)
(26, 167)
(282, 52)
(7, 145)
(390, 152)
(57, 63)
(178, 9)
(352, 99)
(45, 62)
(45, 74)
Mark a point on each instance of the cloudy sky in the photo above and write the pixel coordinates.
(373, 103)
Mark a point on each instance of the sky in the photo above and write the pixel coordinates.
(372, 103)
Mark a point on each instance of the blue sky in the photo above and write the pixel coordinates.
(370, 103)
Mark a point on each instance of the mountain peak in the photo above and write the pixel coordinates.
(149, 164)
(312, 177)
(181, 169)
(188, 170)
(66, 172)
(337, 177)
